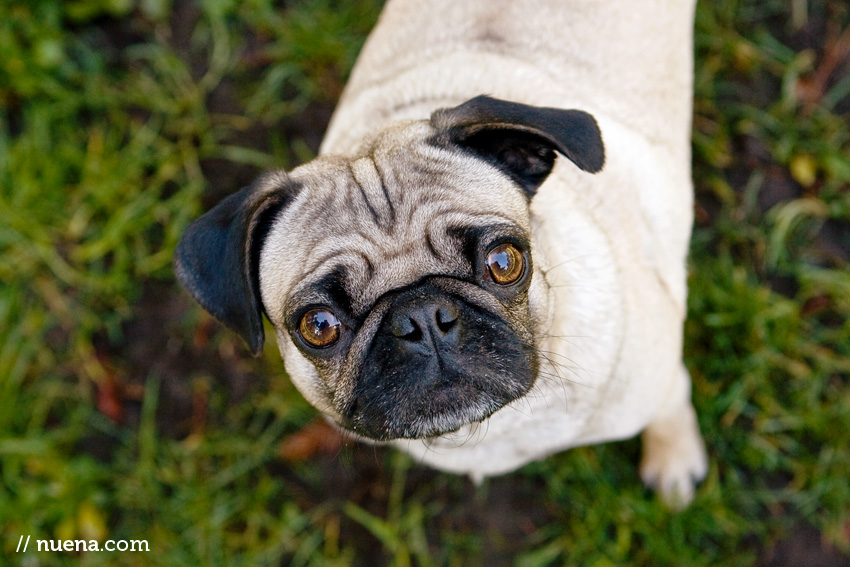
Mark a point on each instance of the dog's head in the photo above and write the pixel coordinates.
(400, 281)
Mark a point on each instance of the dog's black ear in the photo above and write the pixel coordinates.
(521, 139)
(218, 255)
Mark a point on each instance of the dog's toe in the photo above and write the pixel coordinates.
(674, 458)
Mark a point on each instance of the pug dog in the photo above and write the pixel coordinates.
(487, 262)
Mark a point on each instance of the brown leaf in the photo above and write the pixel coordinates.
(109, 401)
(316, 438)
(815, 305)
(811, 89)
(200, 405)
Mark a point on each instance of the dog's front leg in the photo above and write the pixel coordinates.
(674, 457)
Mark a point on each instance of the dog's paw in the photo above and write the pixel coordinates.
(674, 458)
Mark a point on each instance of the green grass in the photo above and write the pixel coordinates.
(126, 413)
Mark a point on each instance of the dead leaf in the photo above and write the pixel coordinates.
(811, 89)
(109, 400)
(316, 438)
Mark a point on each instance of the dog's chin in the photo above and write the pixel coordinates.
(429, 414)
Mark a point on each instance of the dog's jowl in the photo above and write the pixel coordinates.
(487, 261)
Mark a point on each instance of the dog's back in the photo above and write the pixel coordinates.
(628, 61)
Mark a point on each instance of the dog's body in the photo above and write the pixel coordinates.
(586, 341)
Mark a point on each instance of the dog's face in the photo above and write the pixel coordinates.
(414, 300)
(400, 281)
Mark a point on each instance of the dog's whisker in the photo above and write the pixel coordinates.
(566, 339)
(558, 380)
(568, 261)
(581, 286)
(572, 367)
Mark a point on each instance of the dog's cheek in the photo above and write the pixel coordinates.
(305, 376)
(539, 303)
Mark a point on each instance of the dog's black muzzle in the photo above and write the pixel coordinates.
(437, 362)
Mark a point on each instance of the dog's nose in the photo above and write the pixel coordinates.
(426, 323)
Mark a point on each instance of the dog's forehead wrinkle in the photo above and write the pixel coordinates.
(408, 201)
(372, 263)
(411, 255)
(391, 186)
(373, 192)
(395, 273)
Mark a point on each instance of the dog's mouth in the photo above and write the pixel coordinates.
(437, 363)
(419, 413)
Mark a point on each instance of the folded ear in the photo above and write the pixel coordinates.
(521, 139)
(218, 255)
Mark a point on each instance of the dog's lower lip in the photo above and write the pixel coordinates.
(427, 425)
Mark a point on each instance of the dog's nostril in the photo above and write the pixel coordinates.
(446, 317)
(412, 332)
(416, 323)
(405, 327)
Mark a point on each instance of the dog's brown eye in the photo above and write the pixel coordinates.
(319, 327)
(505, 263)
